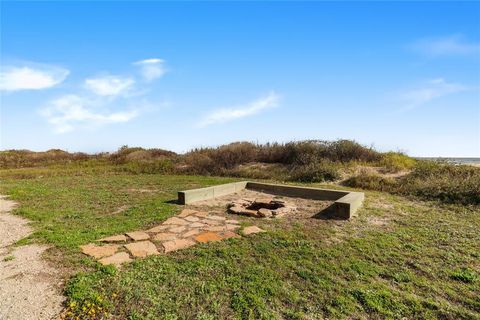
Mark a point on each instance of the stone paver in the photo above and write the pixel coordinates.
(232, 227)
(192, 219)
(252, 229)
(174, 245)
(186, 213)
(165, 236)
(176, 233)
(228, 235)
(99, 251)
(158, 228)
(175, 221)
(116, 238)
(216, 228)
(208, 236)
(202, 214)
(211, 222)
(178, 229)
(197, 225)
(217, 218)
(191, 233)
(138, 235)
(117, 259)
(142, 249)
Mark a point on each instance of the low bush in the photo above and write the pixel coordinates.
(159, 166)
(125, 154)
(27, 158)
(396, 161)
(446, 182)
(370, 181)
(272, 171)
(429, 180)
(315, 172)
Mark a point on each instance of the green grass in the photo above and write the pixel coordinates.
(8, 258)
(421, 261)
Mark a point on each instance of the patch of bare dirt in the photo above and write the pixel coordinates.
(311, 217)
(305, 208)
(381, 172)
(29, 287)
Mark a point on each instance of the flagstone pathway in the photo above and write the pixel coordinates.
(182, 231)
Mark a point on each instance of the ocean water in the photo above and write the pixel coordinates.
(475, 161)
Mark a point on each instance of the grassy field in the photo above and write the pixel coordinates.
(401, 258)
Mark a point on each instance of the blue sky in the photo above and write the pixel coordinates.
(93, 76)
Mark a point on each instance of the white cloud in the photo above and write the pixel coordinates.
(431, 90)
(31, 77)
(151, 69)
(70, 112)
(228, 114)
(109, 85)
(450, 45)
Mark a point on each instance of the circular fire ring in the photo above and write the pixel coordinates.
(261, 207)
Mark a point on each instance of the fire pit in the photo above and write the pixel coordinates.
(261, 207)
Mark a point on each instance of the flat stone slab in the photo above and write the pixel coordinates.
(191, 233)
(197, 225)
(138, 235)
(216, 228)
(116, 238)
(142, 249)
(217, 218)
(232, 221)
(192, 219)
(232, 227)
(178, 229)
(174, 245)
(202, 214)
(228, 235)
(99, 251)
(158, 228)
(186, 213)
(165, 236)
(252, 229)
(207, 237)
(175, 221)
(211, 222)
(117, 259)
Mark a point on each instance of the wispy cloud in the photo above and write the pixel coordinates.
(446, 46)
(109, 85)
(151, 69)
(432, 89)
(228, 114)
(70, 112)
(31, 76)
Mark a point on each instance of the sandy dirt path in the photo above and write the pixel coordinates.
(29, 287)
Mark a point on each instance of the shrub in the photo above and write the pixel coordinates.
(445, 182)
(429, 180)
(125, 154)
(197, 163)
(158, 166)
(371, 181)
(310, 151)
(396, 161)
(274, 171)
(315, 172)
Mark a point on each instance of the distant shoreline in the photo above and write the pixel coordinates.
(468, 161)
